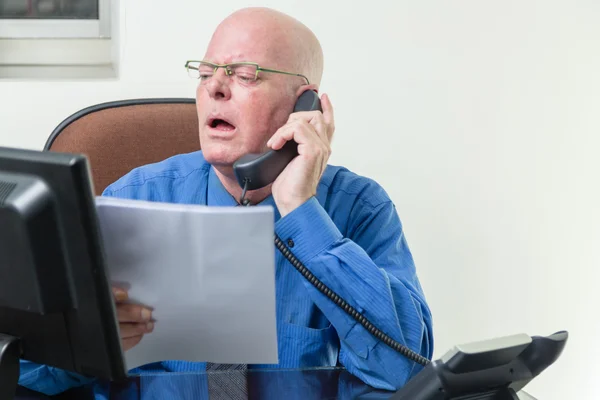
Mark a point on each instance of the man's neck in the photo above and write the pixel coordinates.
(230, 183)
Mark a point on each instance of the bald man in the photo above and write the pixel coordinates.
(342, 226)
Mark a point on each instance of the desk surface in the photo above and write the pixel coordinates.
(286, 384)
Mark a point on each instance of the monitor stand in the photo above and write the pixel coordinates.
(9, 366)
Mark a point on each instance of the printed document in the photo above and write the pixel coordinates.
(208, 274)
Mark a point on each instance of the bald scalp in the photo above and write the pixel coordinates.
(291, 43)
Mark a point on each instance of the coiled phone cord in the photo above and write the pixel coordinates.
(400, 348)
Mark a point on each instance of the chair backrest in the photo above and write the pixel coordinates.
(122, 135)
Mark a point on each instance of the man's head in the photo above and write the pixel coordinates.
(253, 112)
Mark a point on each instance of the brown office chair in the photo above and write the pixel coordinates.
(121, 135)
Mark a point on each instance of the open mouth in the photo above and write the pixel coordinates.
(221, 124)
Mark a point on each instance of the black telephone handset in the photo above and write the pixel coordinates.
(254, 171)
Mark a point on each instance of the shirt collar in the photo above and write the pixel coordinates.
(217, 195)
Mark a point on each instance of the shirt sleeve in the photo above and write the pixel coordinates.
(372, 269)
(49, 380)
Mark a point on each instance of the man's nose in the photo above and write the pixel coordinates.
(218, 85)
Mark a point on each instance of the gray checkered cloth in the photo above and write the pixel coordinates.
(227, 381)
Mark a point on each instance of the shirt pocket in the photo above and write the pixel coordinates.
(302, 347)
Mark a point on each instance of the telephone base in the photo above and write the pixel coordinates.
(496, 369)
(501, 394)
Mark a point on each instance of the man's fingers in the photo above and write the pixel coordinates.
(133, 313)
(316, 120)
(328, 115)
(307, 116)
(327, 110)
(322, 129)
(303, 125)
(322, 121)
(131, 342)
(129, 330)
(134, 320)
(120, 294)
(297, 130)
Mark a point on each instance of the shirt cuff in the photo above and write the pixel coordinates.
(307, 230)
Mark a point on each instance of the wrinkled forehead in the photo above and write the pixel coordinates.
(268, 46)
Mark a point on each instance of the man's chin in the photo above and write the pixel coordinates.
(220, 158)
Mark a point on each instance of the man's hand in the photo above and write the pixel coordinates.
(134, 320)
(313, 131)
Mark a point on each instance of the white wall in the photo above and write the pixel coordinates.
(481, 119)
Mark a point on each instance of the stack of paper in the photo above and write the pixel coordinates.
(207, 273)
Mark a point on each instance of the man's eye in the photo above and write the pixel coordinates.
(246, 78)
(205, 76)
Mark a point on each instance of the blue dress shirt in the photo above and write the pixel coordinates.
(349, 236)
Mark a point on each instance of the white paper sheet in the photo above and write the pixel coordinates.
(207, 273)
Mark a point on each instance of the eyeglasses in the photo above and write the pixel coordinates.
(245, 72)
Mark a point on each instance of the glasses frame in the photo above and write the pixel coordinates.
(228, 71)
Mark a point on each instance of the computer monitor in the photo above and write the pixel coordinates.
(56, 304)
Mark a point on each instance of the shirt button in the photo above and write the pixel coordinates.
(290, 243)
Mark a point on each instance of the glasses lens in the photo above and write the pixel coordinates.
(205, 71)
(244, 72)
(192, 70)
(199, 70)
